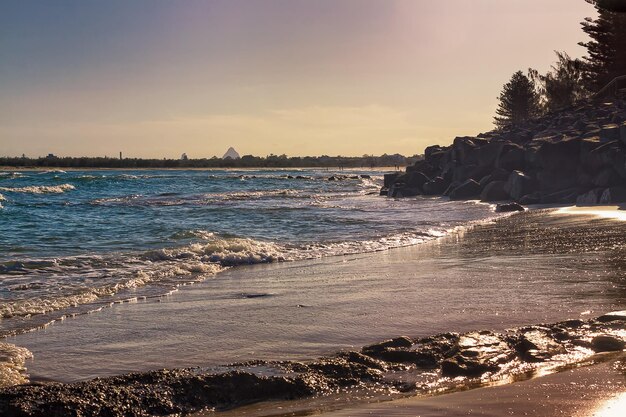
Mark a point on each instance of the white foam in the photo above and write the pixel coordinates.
(53, 171)
(40, 189)
(12, 359)
(132, 277)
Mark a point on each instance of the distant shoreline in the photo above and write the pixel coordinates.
(61, 168)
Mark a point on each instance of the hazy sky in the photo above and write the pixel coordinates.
(302, 77)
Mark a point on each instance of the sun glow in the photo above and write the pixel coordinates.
(607, 212)
(616, 407)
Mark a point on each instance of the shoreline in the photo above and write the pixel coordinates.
(393, 369)
(392, 259)
(52, 169)
(572, 392)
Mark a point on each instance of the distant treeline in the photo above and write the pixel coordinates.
(247, 161)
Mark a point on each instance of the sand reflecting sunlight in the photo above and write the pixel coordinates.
(615, 407)
(607, 212)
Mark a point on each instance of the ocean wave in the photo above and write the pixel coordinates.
(40, 287)
(175, 199)
(40, 189)
(52, 171)
(11, 175)
(61, 288)
(12, 359)
(2, 198)
(193, 234)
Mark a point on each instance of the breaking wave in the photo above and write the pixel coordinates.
(12, 359)
(76, 285)
(40, 189)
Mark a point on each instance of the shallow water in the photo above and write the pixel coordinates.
(75, 241)
(524, 269)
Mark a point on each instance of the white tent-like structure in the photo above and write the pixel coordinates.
(231, 153)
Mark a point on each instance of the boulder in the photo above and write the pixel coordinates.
(563, 154)
(613, 195)
(609, 133)
(400, 190)
(468, 189)
(436, 186)
(434, 154)
(390, 179)
(422, 166)
(488, 154)
(567, 196)
(590, 198)
(485, 180)
(605, 178)
(600, 157)
(607, 343)
(494, 191)
(518, 185)
(416, 180)
(462, 173)
(453, 185)
(583, 179)
(500, 174)
(534, 198)
(509, 207)
(554, 179)
(463, 148)
(511, 158)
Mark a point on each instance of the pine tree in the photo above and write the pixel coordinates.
(563, 85)
(607, 49)
(519, 102)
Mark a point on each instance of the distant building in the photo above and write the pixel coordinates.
(231, 153)
(51, 156)
(184, 157)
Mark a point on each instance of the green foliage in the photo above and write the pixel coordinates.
(606, 51)
(563, 86)
(519, 102)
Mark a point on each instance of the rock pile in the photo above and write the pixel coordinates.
(574, 156)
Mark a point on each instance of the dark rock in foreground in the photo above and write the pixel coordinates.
(505, 208)
(473, 356)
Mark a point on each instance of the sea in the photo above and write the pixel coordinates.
(73, 239)
(145, 269)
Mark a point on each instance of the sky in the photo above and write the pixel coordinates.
(156, 78)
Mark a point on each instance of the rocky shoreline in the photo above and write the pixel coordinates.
(574, 156)
(402, 366)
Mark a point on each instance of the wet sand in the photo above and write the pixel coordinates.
(598, 391)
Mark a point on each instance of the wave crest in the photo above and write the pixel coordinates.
(12, 359)
(40, 189)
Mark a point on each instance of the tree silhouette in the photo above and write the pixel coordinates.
(563, 85)
(519, 102)
(607, 49)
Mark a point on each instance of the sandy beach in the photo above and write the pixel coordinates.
(227, 208)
